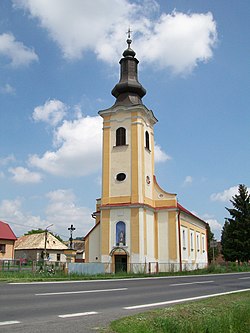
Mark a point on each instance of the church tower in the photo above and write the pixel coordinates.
(136, 221)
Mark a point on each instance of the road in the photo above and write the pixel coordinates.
(85, 306)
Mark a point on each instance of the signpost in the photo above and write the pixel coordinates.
(213, 245)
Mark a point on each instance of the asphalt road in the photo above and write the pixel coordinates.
(86, 306)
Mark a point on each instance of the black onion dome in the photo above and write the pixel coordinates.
(128, 90)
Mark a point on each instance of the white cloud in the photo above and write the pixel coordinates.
(52, 112)
(78, 150)
(215, 226)
(7, 89)
(23, 175)
(188, 180)
(8, 159)
(62, 211)
(19, 54)
(226, 195)
(160, 155)
(177, 41)
(11, 211)
(2, 176)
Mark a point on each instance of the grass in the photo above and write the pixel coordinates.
(29, 276)
(222, 314)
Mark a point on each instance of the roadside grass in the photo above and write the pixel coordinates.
(222, 314)
(29, 276)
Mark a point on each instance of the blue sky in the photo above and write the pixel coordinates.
(58, 65)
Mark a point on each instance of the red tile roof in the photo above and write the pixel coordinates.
(6, 232)
(181, 208)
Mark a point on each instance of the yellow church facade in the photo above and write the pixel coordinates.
(138, 225)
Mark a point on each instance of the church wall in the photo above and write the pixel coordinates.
(120, 156)
(136, 216)
(117, 215)
(106, 162)
(163, 236)
(194, 249)
(136, 159)
(93, 246)
(149, 173)
(150, 236)
(105, 235)
(173, 243)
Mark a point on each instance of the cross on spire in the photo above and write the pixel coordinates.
(129, 40)
(129, 32)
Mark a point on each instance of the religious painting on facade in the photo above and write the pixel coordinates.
(120, 233)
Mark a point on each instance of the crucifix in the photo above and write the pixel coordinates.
(71, 229)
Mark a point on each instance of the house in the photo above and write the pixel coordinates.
(78, 246)
(137, 223)
(33, 247)
(7, 241)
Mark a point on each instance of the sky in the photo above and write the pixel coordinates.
(59, 61)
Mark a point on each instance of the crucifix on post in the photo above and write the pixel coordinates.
(71, 229)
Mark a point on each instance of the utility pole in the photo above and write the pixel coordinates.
(45, 242)
(71, 229)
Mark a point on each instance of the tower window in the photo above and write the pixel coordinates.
(120, 233)
(120, 136)
(120, 176)
(147, 140)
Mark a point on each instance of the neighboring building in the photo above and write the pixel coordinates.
(7, 241)
(32, 247)
(78, 246)
(137, 222)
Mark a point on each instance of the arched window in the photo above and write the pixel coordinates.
(120, 233)
(120, 136)
(147, 140)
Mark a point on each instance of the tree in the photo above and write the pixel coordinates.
(235, 238)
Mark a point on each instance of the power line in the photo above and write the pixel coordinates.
(31, 226)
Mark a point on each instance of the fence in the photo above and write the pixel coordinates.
(135, 268)
(20, 265)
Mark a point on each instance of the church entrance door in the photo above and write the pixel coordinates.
(120, 263)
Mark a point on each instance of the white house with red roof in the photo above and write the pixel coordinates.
(7, 241)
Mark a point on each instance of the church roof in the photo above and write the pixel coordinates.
(6, 232)
(128, 91)
(183, 209)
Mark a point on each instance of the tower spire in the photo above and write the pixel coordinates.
(128, 91)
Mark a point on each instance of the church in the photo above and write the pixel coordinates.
(139, 227)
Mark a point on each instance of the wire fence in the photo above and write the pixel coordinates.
(20, 265)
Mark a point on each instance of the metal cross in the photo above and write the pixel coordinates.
(71, 229)
(129, 32)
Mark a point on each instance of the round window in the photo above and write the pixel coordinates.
(120, 176)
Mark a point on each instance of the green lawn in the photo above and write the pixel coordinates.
(29, 276)
(222, 314)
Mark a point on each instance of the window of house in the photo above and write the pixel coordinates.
(120, 233)
(184, 239)
(147, 140)
(191, 241)
(2, 248)
(203, 243)
(58, 257)
(120, 136)
(198, 242)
